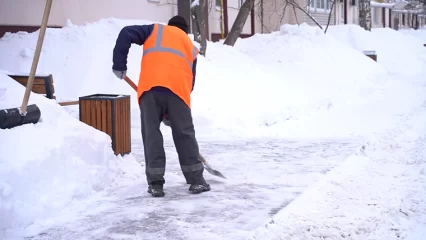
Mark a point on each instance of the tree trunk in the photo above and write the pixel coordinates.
(197, 9)
(365, 14)
(238, 25)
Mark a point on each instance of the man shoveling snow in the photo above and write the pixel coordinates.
(165, 84)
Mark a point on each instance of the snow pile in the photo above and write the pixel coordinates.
(273, 84)
(266, 85)
(396, 51)
(78, 57)
(43, 167)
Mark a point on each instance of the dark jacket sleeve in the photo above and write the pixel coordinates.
(136, 34)
(194, 71)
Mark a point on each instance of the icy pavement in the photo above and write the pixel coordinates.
(262, 177)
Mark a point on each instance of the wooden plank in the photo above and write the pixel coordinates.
(118, 137)
(88, 121)
(128, 127)
(122, 126)
(121, 116)
(109, 118)
(125, 125)
(98, 115)
(117, 126)
(82, 116)
(93, 113)
(39, 89)
(68, 103)
(104, 116)
(23, 80)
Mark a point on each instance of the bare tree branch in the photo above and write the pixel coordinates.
(329, 16)
(303, 10)
(295, 15)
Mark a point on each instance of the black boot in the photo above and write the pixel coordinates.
(199, 188)
(156, 190)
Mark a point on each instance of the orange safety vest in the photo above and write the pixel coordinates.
(168, 54)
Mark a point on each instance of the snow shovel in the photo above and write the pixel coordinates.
(13, 117)
(167, 123)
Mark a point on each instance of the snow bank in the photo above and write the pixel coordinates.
(266, 85)
(272, 84)
(396, 51)
(78, 57)
(45, 166)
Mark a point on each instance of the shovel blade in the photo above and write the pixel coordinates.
(214, 172)
(10, 118)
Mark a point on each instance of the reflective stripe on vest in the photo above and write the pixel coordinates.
(159, 48)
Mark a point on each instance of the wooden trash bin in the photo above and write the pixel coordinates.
(110, 114)
(371, 54)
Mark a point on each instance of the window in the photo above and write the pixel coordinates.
(324, 5)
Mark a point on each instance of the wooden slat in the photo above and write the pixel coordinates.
(117, 126)
(84, 111)
(124, 125)
(129, 133)
(88, 121)
(104, 116)
(126, 132)
(122, 138)
(93, 113)
(109, 118)
(68, 103)
(118, 140)
(24, 80)
(98, 114)
(39, 89)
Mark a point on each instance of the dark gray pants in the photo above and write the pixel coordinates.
(153, 106)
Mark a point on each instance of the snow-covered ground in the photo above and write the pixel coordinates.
(317, 140)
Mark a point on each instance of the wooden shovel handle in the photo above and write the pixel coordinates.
(36, 57)
(131, 83)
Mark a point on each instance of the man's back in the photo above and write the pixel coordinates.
(168, 56)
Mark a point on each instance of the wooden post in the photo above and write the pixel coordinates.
(111, 115)
(371, 54)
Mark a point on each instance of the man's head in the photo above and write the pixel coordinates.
(179, 22)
